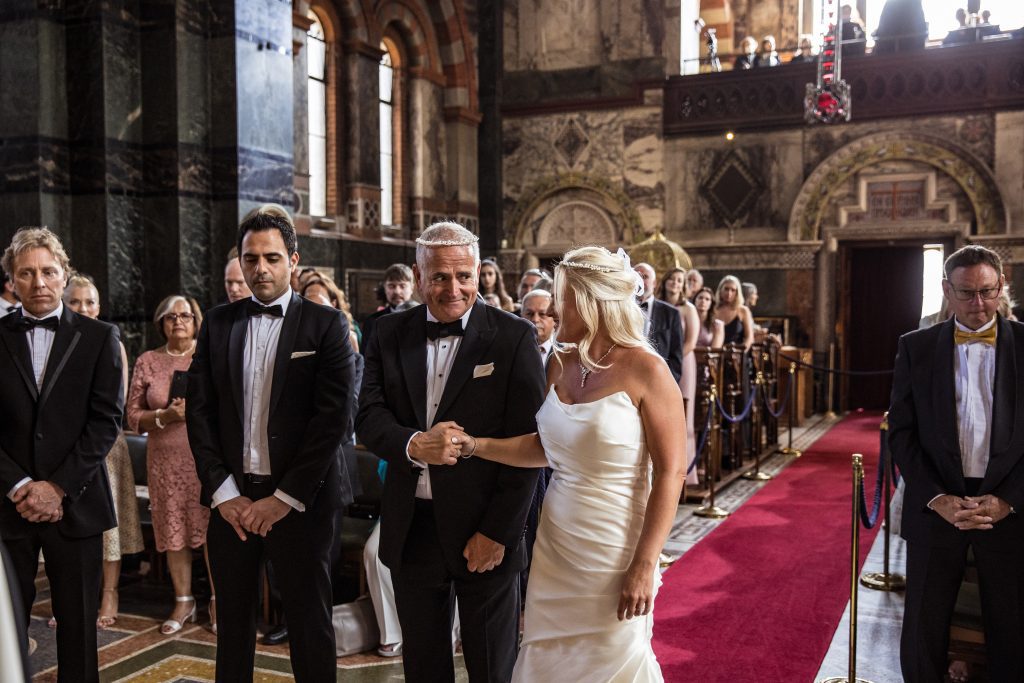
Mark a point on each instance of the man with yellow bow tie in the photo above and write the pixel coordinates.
(952, 431)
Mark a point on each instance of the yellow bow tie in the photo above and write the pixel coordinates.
(986, 337)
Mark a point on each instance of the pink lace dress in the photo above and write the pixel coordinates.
(179, 521)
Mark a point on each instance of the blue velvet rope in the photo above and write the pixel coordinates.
(742, 416)
(700, 444)
(785, 401)
(869, 520)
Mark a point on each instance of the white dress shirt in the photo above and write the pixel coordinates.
(545, 349)
(647, 314)
(975, 369)
(7, 306)
(40, 340)
(441, 355)
(258, 359)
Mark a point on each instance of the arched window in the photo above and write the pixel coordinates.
(316, 57)
(387, 135)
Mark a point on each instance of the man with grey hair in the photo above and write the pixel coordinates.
(446, 532)
(537, 309)
(531, 279)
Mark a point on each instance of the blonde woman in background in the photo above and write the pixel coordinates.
(82, 297)
(734, 314)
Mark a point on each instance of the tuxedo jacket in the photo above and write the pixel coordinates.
(369, 326)
(494, 389)
(924, 442)
(310, 402)
(666, 335)
(62, 432)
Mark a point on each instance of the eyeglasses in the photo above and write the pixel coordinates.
(988, 293)
(183, 317)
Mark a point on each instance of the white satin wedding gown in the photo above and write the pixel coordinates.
(589, 527)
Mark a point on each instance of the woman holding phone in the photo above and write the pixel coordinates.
(156, 405)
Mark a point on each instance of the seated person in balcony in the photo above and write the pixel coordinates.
(807, 52)
(748, 54)
(768, 56)
(854, 39)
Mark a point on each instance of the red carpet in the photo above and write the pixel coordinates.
(760, 597)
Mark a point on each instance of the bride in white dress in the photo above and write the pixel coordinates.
(610, 418)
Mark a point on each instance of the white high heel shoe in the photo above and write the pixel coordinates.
(172, 626)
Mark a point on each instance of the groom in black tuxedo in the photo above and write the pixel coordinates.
(62, 403)
(269, 397)
(454, 531)
(956, 430)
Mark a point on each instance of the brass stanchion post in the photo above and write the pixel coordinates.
(791, 413)
(885, 580)
(831, 379)
(709, 509)
(858, 483)
(756, 474)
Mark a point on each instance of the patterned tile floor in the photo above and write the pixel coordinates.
(135, 651)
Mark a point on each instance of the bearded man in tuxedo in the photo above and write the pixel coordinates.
(454, 363)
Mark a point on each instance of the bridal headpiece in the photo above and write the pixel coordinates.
(626, 267)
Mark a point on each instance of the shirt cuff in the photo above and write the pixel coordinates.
(295, 504)
(14, 489)
(226, 491)
(929, 505)
(414, 461)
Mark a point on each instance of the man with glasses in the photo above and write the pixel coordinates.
(952, 432)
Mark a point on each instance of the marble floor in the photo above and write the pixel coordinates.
(879, 619)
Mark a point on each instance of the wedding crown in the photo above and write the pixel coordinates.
(589, 266)
(461, 242)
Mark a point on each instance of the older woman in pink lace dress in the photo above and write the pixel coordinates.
(179, 521)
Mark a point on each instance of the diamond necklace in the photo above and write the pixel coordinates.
(585, 372)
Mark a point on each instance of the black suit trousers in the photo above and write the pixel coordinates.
(425, 589)
(934, 575)
(299, 547)
(74, 569)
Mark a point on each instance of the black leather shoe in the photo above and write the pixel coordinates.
(276, 635)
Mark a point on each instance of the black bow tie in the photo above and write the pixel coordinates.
(256, 308)
(30, 323)
(643, 306)
(438, 330)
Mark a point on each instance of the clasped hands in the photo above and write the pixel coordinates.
(971, 512)
(442, 444)
(257, 517)
(39, 501)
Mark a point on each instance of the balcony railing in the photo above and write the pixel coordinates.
(969, 78)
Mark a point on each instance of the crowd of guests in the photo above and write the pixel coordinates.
(680, 315)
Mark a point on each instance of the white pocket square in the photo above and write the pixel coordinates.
(483, 370)
(302, 354)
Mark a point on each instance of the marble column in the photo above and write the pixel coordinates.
(489, 140)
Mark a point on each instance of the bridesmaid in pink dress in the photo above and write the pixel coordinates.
(672, 290)
(179, 521)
